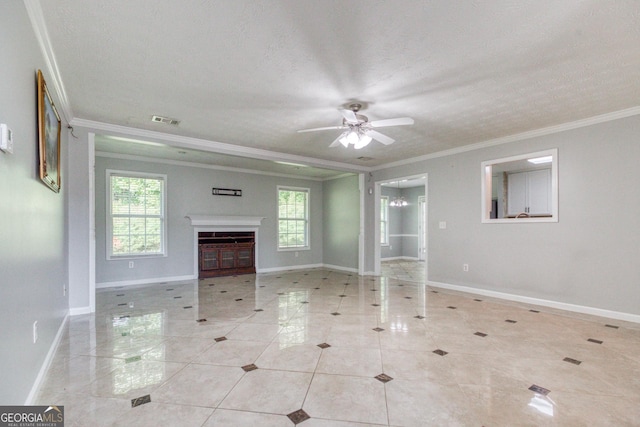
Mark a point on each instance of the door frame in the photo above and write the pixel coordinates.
(377, 195)
(422, 228)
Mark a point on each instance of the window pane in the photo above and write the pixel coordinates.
(137, 243)
(293, 218)
(120, 225)
(153, 226)
(153, 244)
(120, 244)
(137, 210)
(153, 197)
(384, 220)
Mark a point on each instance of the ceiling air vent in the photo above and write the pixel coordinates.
(165, 120)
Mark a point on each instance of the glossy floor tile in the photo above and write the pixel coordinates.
(320, 347)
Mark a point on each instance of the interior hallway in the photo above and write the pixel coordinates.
(325, 348)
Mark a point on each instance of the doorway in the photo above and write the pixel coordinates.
(402, 231)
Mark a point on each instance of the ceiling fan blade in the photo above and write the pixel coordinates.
(349, 116)
(337, 141)
(392, 122)
(324, 128)
(380, 137)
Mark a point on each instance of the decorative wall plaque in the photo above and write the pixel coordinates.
(226, 192)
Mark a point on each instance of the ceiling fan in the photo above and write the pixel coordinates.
(359, 131)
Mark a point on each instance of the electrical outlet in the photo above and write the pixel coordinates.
(35, 331)
(130, 264)
(442, 225)
(296, 254)
(465, 267)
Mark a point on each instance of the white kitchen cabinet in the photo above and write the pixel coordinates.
(529, 193)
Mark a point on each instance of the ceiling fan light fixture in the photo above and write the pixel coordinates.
(363, 141)
(343, 139)
(352, 138)
(358, 130)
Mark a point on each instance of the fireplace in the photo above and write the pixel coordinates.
(225, 253)
(225, 244)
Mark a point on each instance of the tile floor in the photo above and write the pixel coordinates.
(401, 269)
(325, 348)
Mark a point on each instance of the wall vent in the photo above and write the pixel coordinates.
(165, 120)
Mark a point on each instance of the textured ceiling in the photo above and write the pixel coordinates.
(250, 73)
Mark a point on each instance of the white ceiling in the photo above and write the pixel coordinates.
(250, 73)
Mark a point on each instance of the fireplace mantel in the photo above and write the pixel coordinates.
(225, 220)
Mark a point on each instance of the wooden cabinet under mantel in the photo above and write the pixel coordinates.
(225, 253)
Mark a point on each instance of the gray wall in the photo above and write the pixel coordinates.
(341, 206)
(79, 214)
(32, 231)
(189, 192)
(588, 258)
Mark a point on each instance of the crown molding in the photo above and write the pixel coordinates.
(621, 114)
(231, 149)
(342, 175)
(53, 73)
(217, 147)
(211, 167)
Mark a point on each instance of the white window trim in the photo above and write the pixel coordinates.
(109, 228)
(307, 247)
(386, 243)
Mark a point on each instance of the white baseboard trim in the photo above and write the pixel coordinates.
(47, 362)
(628, 317)
(307, 266)
(341, 268)
(76, 311)
(144, 281)
(290, 267)
(393, 258)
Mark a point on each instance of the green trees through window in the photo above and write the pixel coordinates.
(293, 218)
(136, 212)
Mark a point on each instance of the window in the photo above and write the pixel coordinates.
(293, 218)
(135, 214)
(522, 188)
(384, 220)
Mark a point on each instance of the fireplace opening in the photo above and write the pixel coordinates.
(225, 253)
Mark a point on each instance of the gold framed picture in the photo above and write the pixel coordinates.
(48, 137)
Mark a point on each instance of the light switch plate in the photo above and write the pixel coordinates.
(6, 139)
